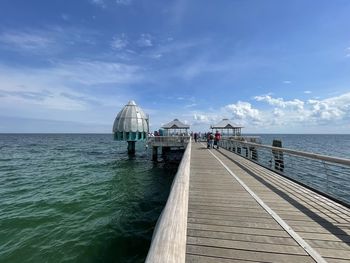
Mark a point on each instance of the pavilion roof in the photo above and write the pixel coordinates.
(175, 124)
(226, 124)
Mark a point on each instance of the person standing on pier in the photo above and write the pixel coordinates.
(217, 139)
(210, 140)
(195, 136)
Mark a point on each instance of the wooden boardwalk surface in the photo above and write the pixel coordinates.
(226, 224)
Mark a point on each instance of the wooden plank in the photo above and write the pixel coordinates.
(337, 260)
(258, 214)
(251, 205)
(325, 237)
(326, 230)
(243, 237)
(336, 245)
(223, 207)
(239, 223)
(241, 230)
(335, 253)
(237, 217)
(248, 246)
(207, 259)
(247, 255)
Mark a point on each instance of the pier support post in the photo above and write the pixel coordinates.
(254, 153)
(278, 155)
(131, 147)
(155, 153)
(165, 152)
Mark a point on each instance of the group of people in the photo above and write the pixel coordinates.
(213, 140)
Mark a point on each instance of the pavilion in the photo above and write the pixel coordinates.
(227, 128)
(175, 127)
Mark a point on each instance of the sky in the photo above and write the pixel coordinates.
(272, 66)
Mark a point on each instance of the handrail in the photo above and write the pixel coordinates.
(168, 138)
(169, 237)
(299, 153)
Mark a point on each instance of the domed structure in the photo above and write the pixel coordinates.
(131, 123)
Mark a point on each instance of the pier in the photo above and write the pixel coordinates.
(224, 206)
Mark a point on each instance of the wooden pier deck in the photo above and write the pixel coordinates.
(239, 211)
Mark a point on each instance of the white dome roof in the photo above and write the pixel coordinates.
(131, 119)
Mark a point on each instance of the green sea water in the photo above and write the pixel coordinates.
(77, 198)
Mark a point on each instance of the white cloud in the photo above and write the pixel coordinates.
(347, 52)
(103, 3)
(243, 110)
(201, 65)
(325, 111)
(295, 115)
(65, 17)
(280, 102)
(61, 102)
(123, 2)
(145, 40)
(54, 99)
(287, 82)
(205, 118)
(48, 42)
(25, 40)
(156, 56)
(278, 112)
(241, 113)
(98, 72)
(307, 92)
(62, 86)
(333, 108)
(171, 46)
(177, 11)
(100, 3)
(308, 112)
(119, 42)
(190, 105)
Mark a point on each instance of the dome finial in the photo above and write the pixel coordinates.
(131, 102)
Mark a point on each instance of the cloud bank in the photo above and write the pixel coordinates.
(278, 114)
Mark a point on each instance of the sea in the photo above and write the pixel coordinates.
(78, 198)
(81, 198)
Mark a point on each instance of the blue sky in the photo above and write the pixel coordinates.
(272, 66)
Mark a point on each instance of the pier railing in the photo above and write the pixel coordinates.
(326, 174)
(165, 141)
(169, 237)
